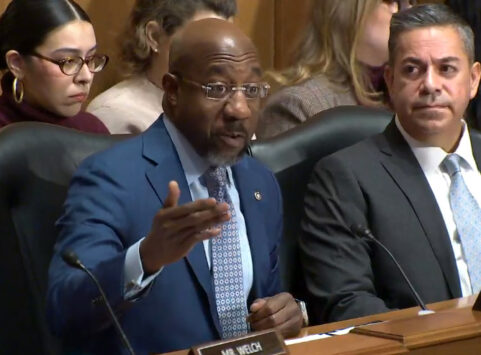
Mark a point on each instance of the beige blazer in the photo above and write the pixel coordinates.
(131, 106)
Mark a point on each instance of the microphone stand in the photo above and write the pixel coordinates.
(73, 260)
(362, 231)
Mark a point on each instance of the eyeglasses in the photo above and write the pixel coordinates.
(72, 65)
(221, 91)
(402, 4)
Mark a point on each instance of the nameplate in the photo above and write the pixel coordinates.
(268, 342)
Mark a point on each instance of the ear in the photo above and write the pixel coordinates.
(155, 35)
(170, 84)
(15, 63)
(475, 76)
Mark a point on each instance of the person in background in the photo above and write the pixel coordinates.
(471, 12)
(49, 52)
(339, 61)
(185, 237)
(134, 104)
(416, 186)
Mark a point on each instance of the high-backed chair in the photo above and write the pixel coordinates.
(292, 155)
(36, 163)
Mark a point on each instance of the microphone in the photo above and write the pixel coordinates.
(73, 260)
(362, 231)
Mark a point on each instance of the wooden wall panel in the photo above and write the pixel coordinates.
(274, 26)
(256, 19)
(290, 21)
(108, 18)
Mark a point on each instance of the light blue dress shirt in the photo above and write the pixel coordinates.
(194, 167)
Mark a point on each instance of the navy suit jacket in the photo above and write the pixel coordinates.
(111, 203)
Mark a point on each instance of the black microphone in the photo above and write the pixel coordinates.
(362, 231)
(73, 260)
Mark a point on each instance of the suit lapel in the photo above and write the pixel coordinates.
(159, 149)
(402, 165)
(247, 185)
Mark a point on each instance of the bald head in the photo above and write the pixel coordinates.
(201, 42)
(213, 89)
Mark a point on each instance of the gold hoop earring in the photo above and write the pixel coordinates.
(17, 94)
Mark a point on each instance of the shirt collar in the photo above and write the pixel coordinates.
(430, 157)
(193, 164)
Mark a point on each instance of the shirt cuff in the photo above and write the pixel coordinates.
(135, 283)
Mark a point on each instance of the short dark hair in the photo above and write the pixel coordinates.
(25, 23)
(429, 15)
(170, 14)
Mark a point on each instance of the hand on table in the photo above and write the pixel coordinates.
(280, 311)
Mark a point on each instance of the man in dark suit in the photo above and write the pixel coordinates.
(397, 184)
(142, 218)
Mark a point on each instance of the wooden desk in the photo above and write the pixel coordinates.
(460, 339)
(403, 313)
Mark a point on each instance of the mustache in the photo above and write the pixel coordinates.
(235, 127)
(430, 101)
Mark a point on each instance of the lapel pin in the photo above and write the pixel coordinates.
(258, 195)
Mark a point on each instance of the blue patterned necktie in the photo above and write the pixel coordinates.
(227, 262)
(467, 216)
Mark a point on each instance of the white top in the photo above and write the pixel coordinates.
(131, 106)
(430, 159)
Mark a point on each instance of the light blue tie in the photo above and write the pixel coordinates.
(467, 216)
(227, 262)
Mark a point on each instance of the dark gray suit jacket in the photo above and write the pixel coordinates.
(377, 183)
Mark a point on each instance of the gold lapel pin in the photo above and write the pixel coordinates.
(258, 195)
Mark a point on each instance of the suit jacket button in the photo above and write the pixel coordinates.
(258, 195)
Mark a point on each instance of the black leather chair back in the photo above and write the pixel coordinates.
(292, 155)
(37, 161)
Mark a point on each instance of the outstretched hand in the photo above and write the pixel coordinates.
(176, 229)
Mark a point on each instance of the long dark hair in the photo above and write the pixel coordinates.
(25, 23)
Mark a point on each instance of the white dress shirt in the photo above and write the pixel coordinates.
(430, 159)
(194, 167)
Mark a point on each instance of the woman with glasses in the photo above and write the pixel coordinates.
(135, 103)
(339, 61)
(48, 52)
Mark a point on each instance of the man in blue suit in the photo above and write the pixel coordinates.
(142, 218)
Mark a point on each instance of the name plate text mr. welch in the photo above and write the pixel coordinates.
(268, 342)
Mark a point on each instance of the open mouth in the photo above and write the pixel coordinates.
(233, 139)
